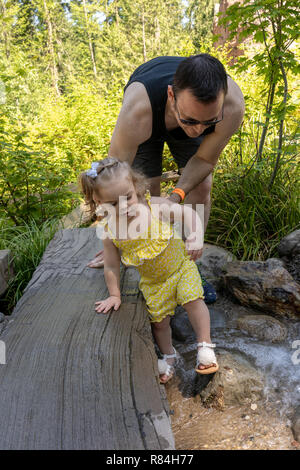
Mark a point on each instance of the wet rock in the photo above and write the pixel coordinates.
(2, 317)
(289, 251)
(266, 285)
(296, 424)
(263, 327)
(181, 328)
(236, 382)
(290, 245)
(293, 267)
(213, 260)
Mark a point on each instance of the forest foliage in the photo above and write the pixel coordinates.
(63, 67)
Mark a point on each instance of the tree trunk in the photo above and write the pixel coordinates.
(280, 135)
(90, 41)
(144, 38)
(157, 34)
(279, 46)
(54, 70)
(4, 33)
(117, 15)
(267, 121)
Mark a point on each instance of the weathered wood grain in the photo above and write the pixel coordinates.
(74, 379)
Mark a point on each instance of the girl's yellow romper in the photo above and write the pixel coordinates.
(168, 277)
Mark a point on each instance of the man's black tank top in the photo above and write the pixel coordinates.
(156, 75)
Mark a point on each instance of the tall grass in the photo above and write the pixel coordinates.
(248, 218)
(27, 244)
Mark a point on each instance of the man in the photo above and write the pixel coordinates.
(191, 104)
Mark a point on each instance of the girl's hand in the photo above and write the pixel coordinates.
(193, 247)
(103, 306)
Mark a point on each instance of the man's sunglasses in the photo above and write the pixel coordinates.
(186, 122)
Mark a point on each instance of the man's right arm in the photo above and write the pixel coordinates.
(134, 123)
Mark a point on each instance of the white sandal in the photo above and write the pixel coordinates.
(206, 356)
(167, 369)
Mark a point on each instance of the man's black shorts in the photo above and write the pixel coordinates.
(148, 158)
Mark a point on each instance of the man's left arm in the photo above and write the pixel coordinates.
(205, 159)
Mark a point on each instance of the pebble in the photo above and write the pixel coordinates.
(253, 406)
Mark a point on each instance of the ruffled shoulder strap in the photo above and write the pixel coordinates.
(148, 196)
(103, 221)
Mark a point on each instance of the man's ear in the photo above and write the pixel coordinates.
(171, 93)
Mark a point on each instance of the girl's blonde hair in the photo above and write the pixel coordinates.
(107, 169)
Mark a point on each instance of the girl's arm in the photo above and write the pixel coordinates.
(112, 261)
(172, 212)
(190, 222)
(112, 278)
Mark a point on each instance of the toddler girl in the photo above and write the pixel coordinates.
(169, 276)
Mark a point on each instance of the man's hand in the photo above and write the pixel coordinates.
(193, 247)
(103, 306)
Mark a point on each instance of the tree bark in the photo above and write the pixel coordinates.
(4, 33)
(267, 121)
(54, 70)
(144, 38)
(279, 45)
(90, 40)
(157, 34)
(280, 134)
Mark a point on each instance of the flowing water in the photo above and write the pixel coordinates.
(264, 425)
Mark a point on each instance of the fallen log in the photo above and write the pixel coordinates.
(74, 379)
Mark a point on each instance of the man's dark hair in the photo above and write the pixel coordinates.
(203, 75)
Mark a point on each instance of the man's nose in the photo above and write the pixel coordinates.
(199, 128)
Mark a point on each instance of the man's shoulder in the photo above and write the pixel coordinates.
(234, 110)
(136, 101)
(134, 122)
(234, 100)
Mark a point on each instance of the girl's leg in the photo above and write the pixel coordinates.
(163, 337)
(199, 317)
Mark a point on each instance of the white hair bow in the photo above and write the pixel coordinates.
(92, 172)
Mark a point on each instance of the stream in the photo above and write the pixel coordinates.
(262, 425)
